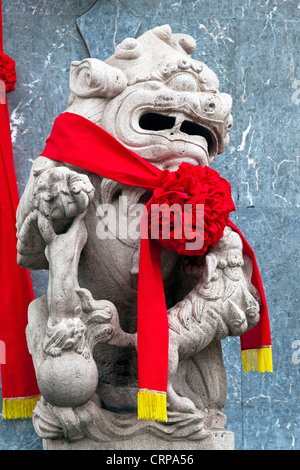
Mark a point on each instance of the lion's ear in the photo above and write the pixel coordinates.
(94, 78)
(38, 171)
(209, 267)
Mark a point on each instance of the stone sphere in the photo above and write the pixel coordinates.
(68, 380)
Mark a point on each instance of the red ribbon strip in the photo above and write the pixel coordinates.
(17, 371)
(77, 141)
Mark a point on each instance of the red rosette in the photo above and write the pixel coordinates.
(179, 197)
(7, 72)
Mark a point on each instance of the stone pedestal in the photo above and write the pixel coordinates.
(216, 440)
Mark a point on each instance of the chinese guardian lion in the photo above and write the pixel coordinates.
(160, 103)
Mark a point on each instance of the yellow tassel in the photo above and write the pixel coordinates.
(264, 360)
(152, 405)
(14, 408)
(257, 359)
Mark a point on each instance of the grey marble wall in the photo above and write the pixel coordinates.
(253, 46)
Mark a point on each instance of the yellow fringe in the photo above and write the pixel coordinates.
(14, 408)
(257, 359)
(152, 405)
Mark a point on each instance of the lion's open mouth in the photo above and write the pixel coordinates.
(159, 122)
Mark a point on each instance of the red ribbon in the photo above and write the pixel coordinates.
(77, 141)
(17, 371)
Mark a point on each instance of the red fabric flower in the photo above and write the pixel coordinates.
(7, 72)
(187, 187)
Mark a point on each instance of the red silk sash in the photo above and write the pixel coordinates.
(77, 141)
(19, 387)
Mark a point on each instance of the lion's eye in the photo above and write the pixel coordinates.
(183, 82)
(156, 122)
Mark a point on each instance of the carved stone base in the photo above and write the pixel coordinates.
(91, 427)
(217, 440)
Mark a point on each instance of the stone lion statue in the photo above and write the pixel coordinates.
(159, 102)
